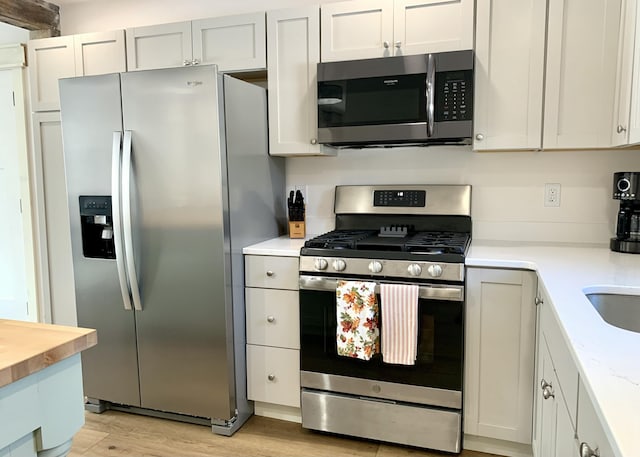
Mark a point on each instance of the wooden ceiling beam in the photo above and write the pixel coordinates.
(39, 16)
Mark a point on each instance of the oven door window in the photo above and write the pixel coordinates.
(440, 344)
(372, 101)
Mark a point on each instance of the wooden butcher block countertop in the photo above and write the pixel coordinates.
(27, 347)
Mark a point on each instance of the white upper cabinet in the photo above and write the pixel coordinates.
(234, 43)
(293, 46)
(509, 72)
(49, 60)
(100, 53)
(582, 55)
(159, 46)
(361, 29)
(74, 55)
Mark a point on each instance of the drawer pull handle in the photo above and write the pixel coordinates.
(586, 451)
(271, 319)
(270, 273)
(271, 377)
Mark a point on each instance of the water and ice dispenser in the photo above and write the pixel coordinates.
(97, 227)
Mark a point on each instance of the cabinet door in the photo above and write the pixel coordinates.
(590, 431)
(499, 355)
(509, 72)
(234, 43)
(425, 26)
(634, 114)
(54, 235)
(620, 130)
(582, 53)
(359, 29)
(159, 46)
(49, 60)
(555, 433)
(100, 53)
(293, 41)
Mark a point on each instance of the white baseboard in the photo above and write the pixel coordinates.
(498, 447)
(285, 413)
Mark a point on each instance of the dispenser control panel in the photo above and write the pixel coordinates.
(95, 205)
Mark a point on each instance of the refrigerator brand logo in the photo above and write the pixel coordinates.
(194, 83)
(390, 82)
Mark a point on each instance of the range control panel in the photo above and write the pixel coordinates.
(401, 198)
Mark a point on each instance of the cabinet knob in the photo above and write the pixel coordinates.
(271, 319)
(270, 273)
(621, 129)
(271, 377)
(195, 61)
(479, 137)
(586, 451)
(539, 301)
(547, 393)
(398, 44)
(314, 141)
(186, 62)
(386, 45)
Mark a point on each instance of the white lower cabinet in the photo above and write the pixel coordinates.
(566, 423)
(273, 331)
(499, 354)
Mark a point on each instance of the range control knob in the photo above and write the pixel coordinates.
(339, 265)
(320, 263)
(414, 269)
(375, 267)
(435, 270)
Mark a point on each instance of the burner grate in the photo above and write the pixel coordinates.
(339, 239)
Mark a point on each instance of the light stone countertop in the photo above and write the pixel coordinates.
(608, 358)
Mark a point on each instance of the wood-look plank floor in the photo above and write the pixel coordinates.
(116, 434)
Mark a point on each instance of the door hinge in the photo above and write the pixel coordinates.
(20, 205)
(13, 94)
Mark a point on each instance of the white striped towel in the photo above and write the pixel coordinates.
(399, 308)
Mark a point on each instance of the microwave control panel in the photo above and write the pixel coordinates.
(454, 96)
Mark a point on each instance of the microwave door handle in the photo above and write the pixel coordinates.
(431, 81)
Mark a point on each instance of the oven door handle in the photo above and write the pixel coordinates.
(429, 292)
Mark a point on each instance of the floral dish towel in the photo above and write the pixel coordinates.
(357, 332)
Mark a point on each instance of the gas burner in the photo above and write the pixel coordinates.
(338, 239)
(438, 242)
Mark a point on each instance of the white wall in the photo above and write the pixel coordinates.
(507, 187)
(11, 35)
(101, 15)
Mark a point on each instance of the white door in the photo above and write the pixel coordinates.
(13, 284)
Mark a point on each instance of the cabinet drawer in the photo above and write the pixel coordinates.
(590, 429)
(271, 272)
(563, 364)
(273, 317)
(273, 375)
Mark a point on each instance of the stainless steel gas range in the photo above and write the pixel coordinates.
(407, 238)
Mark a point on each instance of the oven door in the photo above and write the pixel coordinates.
(436, 377)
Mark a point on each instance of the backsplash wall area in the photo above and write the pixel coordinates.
(507, 187)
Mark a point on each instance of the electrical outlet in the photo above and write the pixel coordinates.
(552, 194)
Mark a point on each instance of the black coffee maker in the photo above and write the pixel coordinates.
(626, 188)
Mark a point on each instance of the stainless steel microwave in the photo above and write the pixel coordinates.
(406, 100)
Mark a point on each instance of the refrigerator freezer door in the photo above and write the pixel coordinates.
(179, 240)
(90, 110)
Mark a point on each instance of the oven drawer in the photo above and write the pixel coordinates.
(272, 272)
(273, 317)
(273, 375)
(396, 423)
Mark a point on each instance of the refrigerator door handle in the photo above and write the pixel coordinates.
(126, 221)
(116, 159)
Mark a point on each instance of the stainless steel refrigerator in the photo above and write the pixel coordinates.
(168, 178)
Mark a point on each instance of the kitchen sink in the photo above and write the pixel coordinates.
(619, 309)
